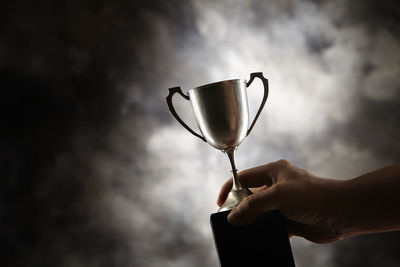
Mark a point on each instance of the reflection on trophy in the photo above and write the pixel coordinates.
(222, 114)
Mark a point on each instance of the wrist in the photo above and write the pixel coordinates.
(334, 204)
(344, 209)
(353, 205)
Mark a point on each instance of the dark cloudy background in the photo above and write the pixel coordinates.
(96, 172)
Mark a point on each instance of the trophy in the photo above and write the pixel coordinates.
(222, 115)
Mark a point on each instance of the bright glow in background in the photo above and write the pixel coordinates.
(316, 75)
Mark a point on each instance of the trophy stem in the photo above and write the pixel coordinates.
(238, 192)
(231, 155)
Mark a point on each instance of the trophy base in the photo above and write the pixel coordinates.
(234, 198)
(262, 243)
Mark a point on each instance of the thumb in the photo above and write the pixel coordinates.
(252, 207)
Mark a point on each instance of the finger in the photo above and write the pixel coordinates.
(305, 231)
(311, 233)
(257, 176)
(223, 193)
(255, 190)
(253, 177)
(252, 207)
(295, 228)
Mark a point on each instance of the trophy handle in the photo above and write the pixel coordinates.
(265, 83)
(178, 90)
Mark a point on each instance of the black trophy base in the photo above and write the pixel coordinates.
(264, 242)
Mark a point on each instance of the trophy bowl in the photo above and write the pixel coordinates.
(221, 112)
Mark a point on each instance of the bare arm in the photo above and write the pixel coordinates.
(319, 209)
(370, 202)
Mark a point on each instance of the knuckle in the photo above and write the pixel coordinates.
(283, 163)
(280, 167)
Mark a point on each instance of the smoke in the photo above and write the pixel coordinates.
(98, 173)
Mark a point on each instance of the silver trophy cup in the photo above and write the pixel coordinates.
(222, 115)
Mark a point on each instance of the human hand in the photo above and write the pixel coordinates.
(307, 201)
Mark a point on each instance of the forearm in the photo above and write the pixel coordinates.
(369, 203)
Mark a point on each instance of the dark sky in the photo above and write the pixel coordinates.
(96, 172)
